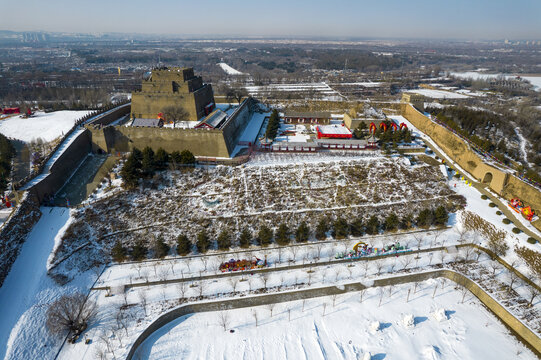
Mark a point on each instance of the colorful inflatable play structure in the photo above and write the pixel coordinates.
(241, 265)
(526, 211)
(372, 129)
(362, 249)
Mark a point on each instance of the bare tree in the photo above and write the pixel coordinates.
(381, 291)
(362, 291)
(254, 314)
(512, 278)
(125, 297)
(265, 279)
(441, 256)
(121, 320)
(379, 267)
(163, 273)
(107, 341)
(334, 299)
(234, 281)
(139, 267)
(533, 292)
(461, 231)
(419, 239)
(337, 272)
(271, 308)
(224, 319)
(181, 287)
(318, 250)
(294, 250)
(494, 266)
(205, 262)
(366, 266)
(143, 299)
(70, 313)
(201, 289)
(406, 262)
(392, 266)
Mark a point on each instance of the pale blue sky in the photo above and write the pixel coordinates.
(465, 19)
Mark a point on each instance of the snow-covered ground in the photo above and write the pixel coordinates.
(229, 70)
(296, 133)
(475, 75)
(470, 332)
(28, 290)
(47, 126)
(438, 94)
(423, 328)
(316, 89)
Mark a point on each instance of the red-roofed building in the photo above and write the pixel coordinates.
(333, 132)
(14, 110)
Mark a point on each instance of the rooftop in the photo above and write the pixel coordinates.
(333, 130)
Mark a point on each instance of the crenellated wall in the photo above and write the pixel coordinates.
(201, 142)
(499, 180)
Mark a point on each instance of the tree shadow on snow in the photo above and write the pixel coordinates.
(384, 326)
(379, 356)
(419, 319)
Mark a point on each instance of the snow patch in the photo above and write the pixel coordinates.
(440, 315)
(408, 321)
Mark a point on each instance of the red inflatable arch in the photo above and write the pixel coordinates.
(383, 126)
(403, 125)
(393, 126)
(372, 128)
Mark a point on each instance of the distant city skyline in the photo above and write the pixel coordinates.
(459, 19)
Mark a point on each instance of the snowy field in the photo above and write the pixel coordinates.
(424, 328)
(273, 188)
(229, 70)
(232, 198)
(438, 94)
(27, 290)
(534, 80)
(47, 126)
(322, 90)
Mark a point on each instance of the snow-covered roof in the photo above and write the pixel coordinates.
(147, 122)
(214, 120)
(333, 130)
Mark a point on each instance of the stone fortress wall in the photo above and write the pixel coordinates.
(177, 87)
(217, 143)
(497, 179)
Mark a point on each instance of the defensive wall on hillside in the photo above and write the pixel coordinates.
(218, 142)
(497, 179)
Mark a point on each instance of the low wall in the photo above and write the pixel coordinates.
(109, 116)
(63, 167)
(15, 230)
(500, 181)
(506, 317)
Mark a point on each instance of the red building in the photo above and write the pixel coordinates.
(333, 132)
(14, 110)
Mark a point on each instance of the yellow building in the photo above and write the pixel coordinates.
(416, 100)
(174, 94)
